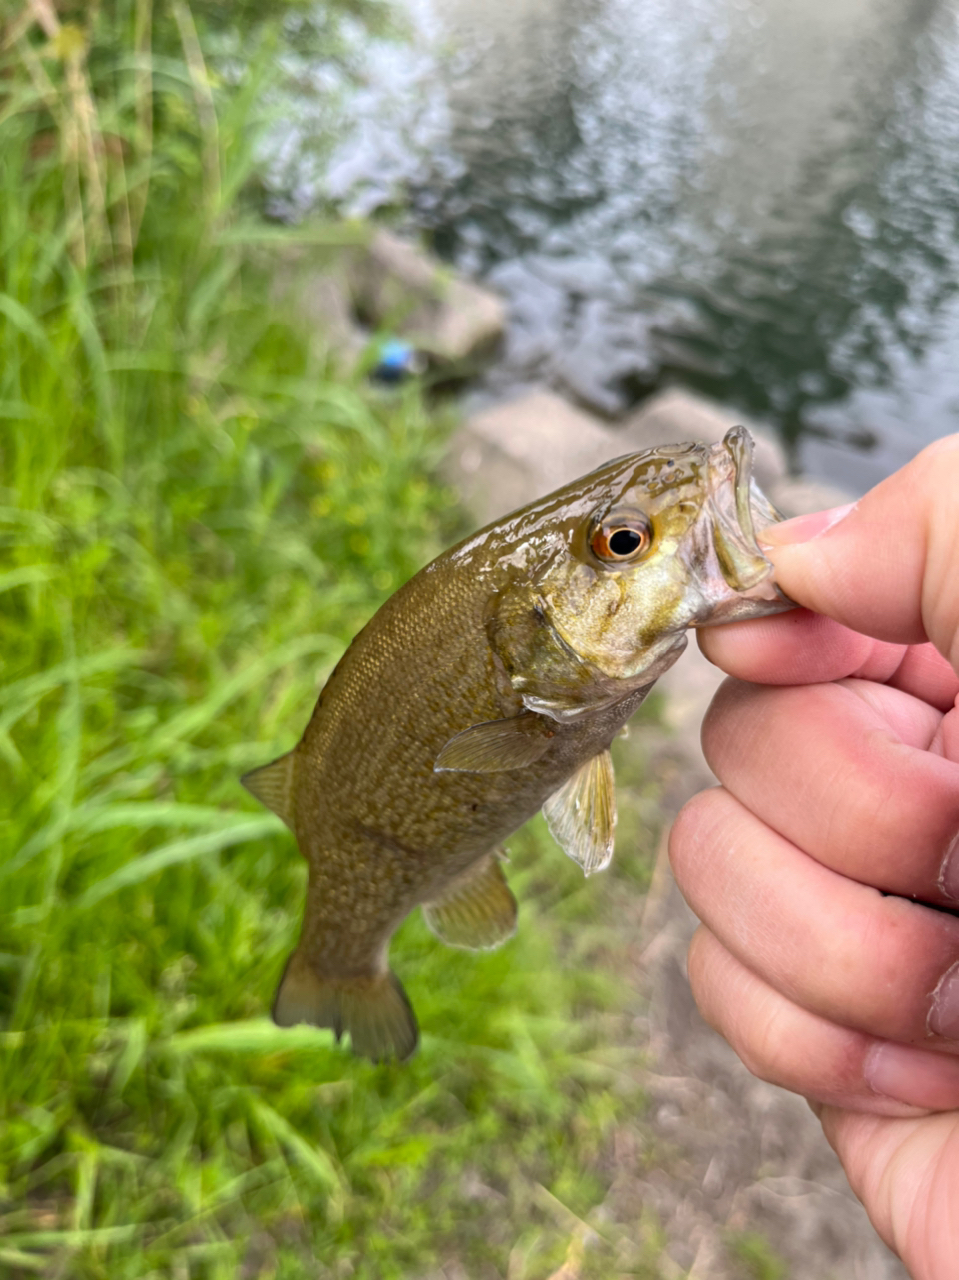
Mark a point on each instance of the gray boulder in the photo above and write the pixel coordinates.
(505, 456)
(382, 284)
(508, 455)
(397, 286)
(674, 415)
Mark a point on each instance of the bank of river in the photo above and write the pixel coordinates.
(755, 199)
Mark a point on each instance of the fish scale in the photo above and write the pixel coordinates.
(489, 686)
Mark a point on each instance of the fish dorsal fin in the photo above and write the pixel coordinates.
(273, 786)
(497, 745)
(477, 910)
(581, 815)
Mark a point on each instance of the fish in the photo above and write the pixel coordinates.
(490, 686)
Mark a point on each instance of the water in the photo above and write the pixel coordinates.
(757, 199)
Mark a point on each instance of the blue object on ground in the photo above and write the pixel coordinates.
(396, 360)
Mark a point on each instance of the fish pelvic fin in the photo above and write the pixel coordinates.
(272, 784)
(477, 910)
(374, 1010)
(581, 815)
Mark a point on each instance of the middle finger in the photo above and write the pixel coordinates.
(842, 771)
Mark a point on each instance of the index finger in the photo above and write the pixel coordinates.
(888, 566)
(807, 648)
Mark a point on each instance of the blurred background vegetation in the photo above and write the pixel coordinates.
(196, 515)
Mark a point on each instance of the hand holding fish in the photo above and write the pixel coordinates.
(839, 803)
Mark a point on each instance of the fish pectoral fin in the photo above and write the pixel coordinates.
(581, 815)
(497, 745)
(477, 910)
(272, 784)
(374, 1010)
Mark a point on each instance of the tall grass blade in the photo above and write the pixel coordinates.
(256, 1035)
(171, 855)
(22, 320)
(192, 719)
(17, 699)
(312, 1160)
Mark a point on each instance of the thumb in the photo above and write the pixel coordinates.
(888, 566)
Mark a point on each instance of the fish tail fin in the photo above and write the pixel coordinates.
(374, 1010)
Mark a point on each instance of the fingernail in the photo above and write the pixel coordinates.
(944, 1014)
(949, 875)
(803, 528)
(914, 1076)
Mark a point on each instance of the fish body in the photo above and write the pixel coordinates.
(489, 686)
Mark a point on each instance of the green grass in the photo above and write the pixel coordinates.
(196, 515)
(757, 1255)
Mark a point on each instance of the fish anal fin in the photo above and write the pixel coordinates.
(477, 910)
(272, 784)
(374, 1010)
(581, 815)
(497, 745)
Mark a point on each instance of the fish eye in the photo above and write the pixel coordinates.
(619, 540)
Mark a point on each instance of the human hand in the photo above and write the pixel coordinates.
(833, 796)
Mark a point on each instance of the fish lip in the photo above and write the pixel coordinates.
(737, 506)
(736, 448)
(738, 443)
(730, 486)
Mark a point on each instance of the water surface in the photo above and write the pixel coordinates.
(758, 199)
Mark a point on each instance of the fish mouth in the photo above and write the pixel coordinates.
(738, 509)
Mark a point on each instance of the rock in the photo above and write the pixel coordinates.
(797, 495)
(687, 689)
(397, 286)
(675, 415)
(382, 283)
(320, 295)
(506, 456)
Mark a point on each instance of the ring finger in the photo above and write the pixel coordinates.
(880, 965)
(791, 1047)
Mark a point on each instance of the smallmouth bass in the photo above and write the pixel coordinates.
(489, 686)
